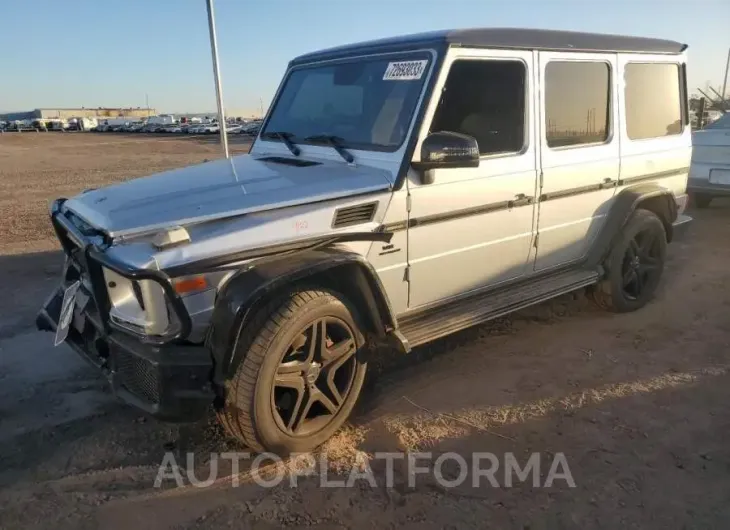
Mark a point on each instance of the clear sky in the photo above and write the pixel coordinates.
(72, 53)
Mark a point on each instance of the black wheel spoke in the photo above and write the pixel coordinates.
(628, 277)
(312, 382)
(293, 367)
(318, 340)
(328, 404)
(339, 353)
(639, 282)
(290, 380)
(300, 410)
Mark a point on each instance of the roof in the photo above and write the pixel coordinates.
(507, 38)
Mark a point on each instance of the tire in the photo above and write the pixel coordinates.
(273, 400)
(701, 200)
(634, 266)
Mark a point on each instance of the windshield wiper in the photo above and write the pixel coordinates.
(335, 142)
(284, 137)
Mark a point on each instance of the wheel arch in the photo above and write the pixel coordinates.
(334, 268)
(650, 196)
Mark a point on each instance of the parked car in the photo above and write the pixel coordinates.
(251, 129)
(459, 191)
(209, 128)
(709, 175)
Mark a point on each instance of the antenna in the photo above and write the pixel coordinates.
(217, 76)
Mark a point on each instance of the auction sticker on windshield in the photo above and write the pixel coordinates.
(404, 70)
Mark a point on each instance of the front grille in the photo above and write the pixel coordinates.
(138, 376)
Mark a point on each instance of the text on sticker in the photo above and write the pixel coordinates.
(404, 70)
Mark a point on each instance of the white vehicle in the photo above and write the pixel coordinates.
(709, 175)
(161, 119)
(209, 128)
(399, 190)
(86, 124)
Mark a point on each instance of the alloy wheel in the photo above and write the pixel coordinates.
(314, 377)
(641, 263)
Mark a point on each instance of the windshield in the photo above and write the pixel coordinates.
(722, 122)
(367, 104)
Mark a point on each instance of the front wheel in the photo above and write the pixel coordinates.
(300, 374)
(634, 266)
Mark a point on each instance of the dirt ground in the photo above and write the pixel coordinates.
(636, 403)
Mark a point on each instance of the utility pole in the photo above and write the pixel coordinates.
(217, 76)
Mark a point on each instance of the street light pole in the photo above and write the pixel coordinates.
(217, 76)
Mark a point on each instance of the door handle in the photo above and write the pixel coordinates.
(520, 200)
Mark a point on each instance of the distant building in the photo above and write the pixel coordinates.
(102, 112)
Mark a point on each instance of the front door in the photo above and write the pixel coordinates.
(579, 146)
(472, 228)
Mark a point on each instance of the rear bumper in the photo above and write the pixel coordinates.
(695, 185)
(171, 382)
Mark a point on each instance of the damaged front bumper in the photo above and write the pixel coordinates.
(167, 378)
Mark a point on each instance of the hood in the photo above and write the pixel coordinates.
(220, 189)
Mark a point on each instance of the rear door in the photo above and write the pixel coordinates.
(579, 153)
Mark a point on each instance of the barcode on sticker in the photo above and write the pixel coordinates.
(404, 70)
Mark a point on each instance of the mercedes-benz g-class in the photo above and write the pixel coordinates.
(399, 190)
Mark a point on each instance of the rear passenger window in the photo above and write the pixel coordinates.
(577, 103)
(653, 100)
(486, 100)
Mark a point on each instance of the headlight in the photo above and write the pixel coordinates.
(141, 306)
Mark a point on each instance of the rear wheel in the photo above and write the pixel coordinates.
(701, 200)
(634, 266)
(300, 374)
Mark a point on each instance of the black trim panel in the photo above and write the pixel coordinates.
(458, 214)
(651, 176)
(608, 183)
(562, 194)
(233, 260)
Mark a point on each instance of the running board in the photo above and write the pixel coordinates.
(454, 316)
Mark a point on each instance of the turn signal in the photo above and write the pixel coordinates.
(190, 284)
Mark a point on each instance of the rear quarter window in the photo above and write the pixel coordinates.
(653, 99)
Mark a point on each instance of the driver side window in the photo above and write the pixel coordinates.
(486, 100)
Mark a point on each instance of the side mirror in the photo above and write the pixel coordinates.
(447, 149)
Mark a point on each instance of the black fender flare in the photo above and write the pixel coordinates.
(249, 288)
(651, 196)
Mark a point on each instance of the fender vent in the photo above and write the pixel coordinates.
(354, 215)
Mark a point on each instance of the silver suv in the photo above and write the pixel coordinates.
(399, 190)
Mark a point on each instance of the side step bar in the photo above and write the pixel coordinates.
(454, 316)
